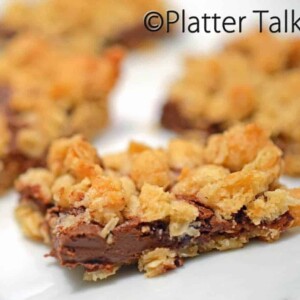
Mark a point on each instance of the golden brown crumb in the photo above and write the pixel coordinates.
(104, 199)
(155, 203)
(104, 273)
(191, 181)
(74, 156)
(249, 167)
(157, 262)
(151, 167)
(184, 153)
(268, 207)
(182, 215)
(236, 147)
(227, 196)
(31, 221)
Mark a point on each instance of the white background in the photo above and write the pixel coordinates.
(259, 271)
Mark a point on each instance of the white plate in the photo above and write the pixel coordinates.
(259, 271)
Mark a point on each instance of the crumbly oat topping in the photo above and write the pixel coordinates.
(104, 199)
(226, 88)
(271, 205)
(246, 169)
(236, 148)
(229, 195)
(83, 26)
(155, 203)
(191, 181)
(32, 223)
(46, 83)
(184, 153)
(182, 215)
(218, 89)
(249, 82)
(75, 157)
(150, 166)
(268, 206)
(217, 201)
(46, 93)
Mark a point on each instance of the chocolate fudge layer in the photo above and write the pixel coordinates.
(83, 25)
(155, 207)
(46, 93)
(256, 79)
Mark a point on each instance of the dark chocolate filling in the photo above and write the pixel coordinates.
(82, 244)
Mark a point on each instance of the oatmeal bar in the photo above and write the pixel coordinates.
(218, 91)
(46, 93)
(213, 93)
(156, 207)
(80, 24)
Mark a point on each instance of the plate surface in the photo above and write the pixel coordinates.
(259, 271)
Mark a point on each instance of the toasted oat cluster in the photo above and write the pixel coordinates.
(82, 25)
(46, 93)
(256, 79)
(155, 207)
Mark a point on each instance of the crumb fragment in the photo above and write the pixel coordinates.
(151, 167)
(229, 195)
(192, 181)
(157, 262)
(101, 274)
(31, 221)
(155, 203)
(184, 153)
(237, 147)
(181, 216)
